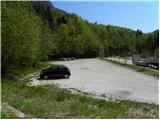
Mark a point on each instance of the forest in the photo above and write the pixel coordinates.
(37, 31)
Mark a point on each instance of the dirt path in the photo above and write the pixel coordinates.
(103, 78)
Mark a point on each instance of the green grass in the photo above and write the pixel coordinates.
(7, 115)
(133, 67)
(50, 101)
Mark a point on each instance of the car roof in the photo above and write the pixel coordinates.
(53, 66)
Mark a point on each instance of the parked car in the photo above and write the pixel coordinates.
(55, 71)
(73, 58)
(64, 59)
(69, 58)
(60, 59)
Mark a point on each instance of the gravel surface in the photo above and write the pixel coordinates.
(103, 78)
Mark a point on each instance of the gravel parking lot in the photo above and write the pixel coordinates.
(103, 78)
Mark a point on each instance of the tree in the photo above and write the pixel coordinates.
(47, 44)
(20, 35)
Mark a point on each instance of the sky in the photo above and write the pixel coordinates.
(134, 14)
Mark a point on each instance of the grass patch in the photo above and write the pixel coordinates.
(22, 72)
(7, 115)
(50, 101)
(133, 67)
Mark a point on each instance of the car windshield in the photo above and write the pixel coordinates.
(55, 67)
(49, 68)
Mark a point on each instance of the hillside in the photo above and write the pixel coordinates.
(37, 31)
(35, 34)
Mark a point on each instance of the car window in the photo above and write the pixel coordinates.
(62, 68)
(56, 68)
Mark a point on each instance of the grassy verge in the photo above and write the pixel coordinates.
(21, 72)
(133, 67)
(52, 102)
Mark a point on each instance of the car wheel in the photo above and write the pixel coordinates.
(45, 77)
(66, 76)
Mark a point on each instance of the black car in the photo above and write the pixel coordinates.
(55, 71)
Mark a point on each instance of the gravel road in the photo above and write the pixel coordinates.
(103, 78)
